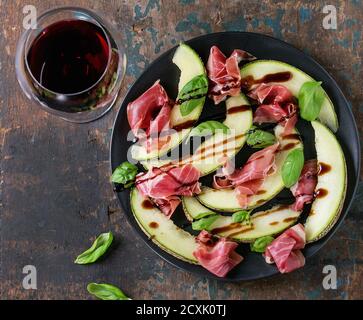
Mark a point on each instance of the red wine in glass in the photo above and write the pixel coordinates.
(69, 56)
(71, 64)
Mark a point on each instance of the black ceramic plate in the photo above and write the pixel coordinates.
(263, 47)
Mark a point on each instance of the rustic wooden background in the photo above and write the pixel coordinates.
(55, 195)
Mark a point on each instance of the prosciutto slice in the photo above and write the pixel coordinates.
(285, 250)
(248, 179)
(150, 114)
(303, 190)
(217, 257)
(164, 185)
(224, 73)
(277, 106)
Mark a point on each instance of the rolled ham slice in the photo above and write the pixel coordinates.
(303, 190)
(285, 250)
(149, 114)
(217, 257)
(164, 185)
(224, 73)
(277, 105)
(248, 179)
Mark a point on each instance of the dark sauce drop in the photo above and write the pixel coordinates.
(321, 193)
(291, 136)
(229, 227)
(288, 146)
(249, 81)
(261, 192)
(323, 168)
(147, 204)
(153, 225)
(289, 219)
(238, 109)
(184, 125)
(274, 223)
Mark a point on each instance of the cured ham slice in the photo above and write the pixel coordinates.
(277, 106)
(224, 73)
(285, 250)
(168, 204)
(303, 190)
(248, 179)
(217, 257)
(164, 185)
(150, 114)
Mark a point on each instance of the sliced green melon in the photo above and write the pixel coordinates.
(263, 223)
(194, 210)
(260, 68)
(190, 66)
(331, 187)
(225, 199)
(212, 153)
(161, 230)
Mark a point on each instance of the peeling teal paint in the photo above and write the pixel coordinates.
(154, 38)
(304, 14)
(192, 20)
(185, 2)
(275, 24)
(196, 287)
(255, 23)
(350, 22)
(314, 294)
(152, 4)
(357, 35)
(212, 289)
(293, 28)
(356, 2)
(133, 55)
(238, 24)
(342, 42)
(173, 41)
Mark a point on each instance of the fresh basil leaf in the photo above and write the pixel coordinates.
(188, 106)
(311, 97)
(260, 244)
(195, 88)
(257, 138)
(124, 173)
(204, 223)
(208, 127)
(105, 291)
(98, 248)
(204, 214)
(292, 167)
(242, 216)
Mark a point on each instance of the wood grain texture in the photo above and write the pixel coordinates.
(55, 195)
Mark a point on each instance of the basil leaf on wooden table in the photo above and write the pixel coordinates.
(124, 174)
(260, 244)
(209, 127)
(292, 167)
(257, 138)
(98, 248)
(106, 291)
(195, 88)
(188, 106)
(311, 97)
(204, 223)
(242, 216)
